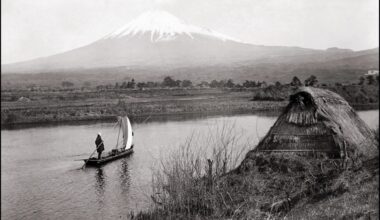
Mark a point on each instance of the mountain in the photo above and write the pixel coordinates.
(157, 43)
(156, 38)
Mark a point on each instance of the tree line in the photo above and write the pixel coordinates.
(170, 82)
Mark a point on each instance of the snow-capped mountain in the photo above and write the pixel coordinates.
(159, 39)
(162, 26)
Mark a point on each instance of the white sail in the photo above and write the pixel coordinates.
(129, 135)
(126, 128)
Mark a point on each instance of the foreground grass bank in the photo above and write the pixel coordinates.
(194, 184)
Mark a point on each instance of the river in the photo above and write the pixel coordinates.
(41, 176)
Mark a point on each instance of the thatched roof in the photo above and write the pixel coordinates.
(318, 120)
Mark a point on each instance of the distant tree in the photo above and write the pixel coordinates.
(187, 83)
(222, 83)
(338, 84)
(230, 83)
(177, 83)
(370, 80)
(151, 84)
(67, 84)
(296, 81)
(204, 84)
(131, 84)
(124, 85)
(377, 79)
(117, 85)
(249, 84)
(277, 84)
(311, 81)
(361, 80)
(169, 82)
(141, 85)
(263, 84)
(214, 84)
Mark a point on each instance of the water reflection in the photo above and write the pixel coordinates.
(125, 179)
(99, 183)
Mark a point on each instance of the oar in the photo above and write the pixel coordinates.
(85, 162)
(146, 119)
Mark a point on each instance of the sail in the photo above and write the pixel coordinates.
(127, 131)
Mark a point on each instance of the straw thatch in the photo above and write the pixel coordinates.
(319, 121)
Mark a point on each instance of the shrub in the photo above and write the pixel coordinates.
(184, 181)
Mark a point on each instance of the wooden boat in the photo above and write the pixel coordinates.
(118, 152)
(112, 155)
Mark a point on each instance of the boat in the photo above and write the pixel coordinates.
(124, 150)
(111, 157)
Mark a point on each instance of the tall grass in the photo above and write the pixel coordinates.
(184, 182)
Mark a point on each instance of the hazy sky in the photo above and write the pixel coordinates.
(35, 28)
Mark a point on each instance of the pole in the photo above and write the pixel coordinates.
(146, 119)
(118, 135)
(84, 165)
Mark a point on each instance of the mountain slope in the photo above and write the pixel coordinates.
(156, 39)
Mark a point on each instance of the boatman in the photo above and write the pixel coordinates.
(99, 145)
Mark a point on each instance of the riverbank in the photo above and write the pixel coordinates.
(63, 107)
(278, 187)
(263, 186)
(21, 107)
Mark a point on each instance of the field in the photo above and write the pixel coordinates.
(63, 106)
(29, 106)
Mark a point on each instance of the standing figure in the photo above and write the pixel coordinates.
(99, 145)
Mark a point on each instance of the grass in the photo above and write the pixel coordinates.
(184, 184)
(263, 186)
(81, 106)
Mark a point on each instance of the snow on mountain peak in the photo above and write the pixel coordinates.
(162, 26)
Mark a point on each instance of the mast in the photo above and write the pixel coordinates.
(118, 135)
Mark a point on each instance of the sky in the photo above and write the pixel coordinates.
(32, 29)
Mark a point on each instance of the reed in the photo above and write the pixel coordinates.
(184, 183)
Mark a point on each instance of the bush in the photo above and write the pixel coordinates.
(184, 182)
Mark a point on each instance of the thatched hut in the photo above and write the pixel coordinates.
(318, 121)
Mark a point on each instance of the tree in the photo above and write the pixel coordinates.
(230, 83)
(214, 84)
(204, 84)
(177, 83)
(249, 84)
(123, 85)
(370, 80)
(187, 83)
(141, 85)
(311, 81)
(168, 82)
(296, 81)
(361, 80)
(263, 84)
(131, 84)
(277, 84)
(150, 84)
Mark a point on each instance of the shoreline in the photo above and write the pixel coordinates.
(35, 108)
(43, 122)
(135, 118)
